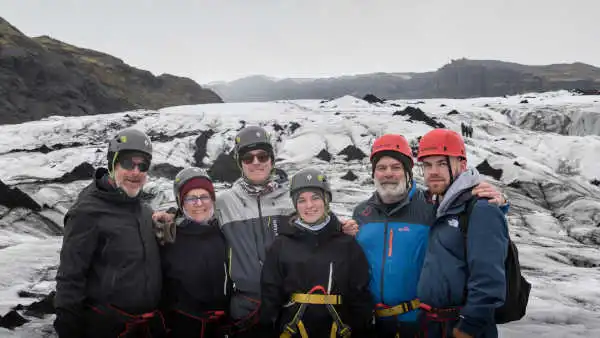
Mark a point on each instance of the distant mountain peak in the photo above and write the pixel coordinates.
(460, 78)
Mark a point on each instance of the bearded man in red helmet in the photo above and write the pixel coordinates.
(393, 229)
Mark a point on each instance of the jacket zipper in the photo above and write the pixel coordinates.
(383, 260)
(137, 212)
(259, 211)
(261, 226)
(391, 243)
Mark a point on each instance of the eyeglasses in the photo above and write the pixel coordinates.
(248, 158)
(129, 164)
(195, 199)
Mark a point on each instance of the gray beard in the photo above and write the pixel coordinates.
(391, 193)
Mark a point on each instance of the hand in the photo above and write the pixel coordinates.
(486, 190)
(459, 334)
(163, 217)
(349, 227)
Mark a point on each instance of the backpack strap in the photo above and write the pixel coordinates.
(463, 224)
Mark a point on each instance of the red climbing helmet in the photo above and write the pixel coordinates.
(392, 142)
(443, 142)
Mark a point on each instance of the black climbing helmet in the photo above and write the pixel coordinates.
(250, 138)
(310, 178)
(185, 176)
(129, 139)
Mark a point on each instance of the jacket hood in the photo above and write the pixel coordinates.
(459, 191)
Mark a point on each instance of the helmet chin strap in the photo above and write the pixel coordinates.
(111, 166)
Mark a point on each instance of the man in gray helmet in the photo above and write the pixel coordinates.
(251, 213)
(109, 277)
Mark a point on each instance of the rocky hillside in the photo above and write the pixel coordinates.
(41, 76)
(459, 79)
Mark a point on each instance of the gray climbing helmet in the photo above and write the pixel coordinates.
(250, 138)
(310, 178)
(128, 140)
(185, 176)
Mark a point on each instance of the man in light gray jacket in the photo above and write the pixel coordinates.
(251, 213)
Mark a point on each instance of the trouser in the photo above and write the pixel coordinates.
(206, 325)
(250, 332)
(110, 322)
(438, 322)
(391, 328)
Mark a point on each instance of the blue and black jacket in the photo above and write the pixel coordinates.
(394, 240)
(447, 272)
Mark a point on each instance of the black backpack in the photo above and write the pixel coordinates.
(517, 287)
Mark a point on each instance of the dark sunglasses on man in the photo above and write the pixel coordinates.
(248, 158)
(129, 164)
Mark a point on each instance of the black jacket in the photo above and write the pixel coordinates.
(299, 260)
(109, 256)
(195, 270)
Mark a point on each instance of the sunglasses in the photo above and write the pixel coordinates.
(195, 199)
(248, 158)
(129, 164)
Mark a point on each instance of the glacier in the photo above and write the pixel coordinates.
(543, 154)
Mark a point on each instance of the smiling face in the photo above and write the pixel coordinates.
(198, 204)
(131, 173)
(311, 207)
(390, 179)
(256, 165)
(437, 174)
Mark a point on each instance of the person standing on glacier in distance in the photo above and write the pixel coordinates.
(463, 280)
(392, 227)
(250, 214)
(109, 277)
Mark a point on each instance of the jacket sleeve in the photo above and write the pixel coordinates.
(79, 244)
(272, 295)
(487, 245)
(359, 300)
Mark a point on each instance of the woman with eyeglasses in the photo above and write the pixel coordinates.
(195, 279)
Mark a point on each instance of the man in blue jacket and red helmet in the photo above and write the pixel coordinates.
(463, 278)
(394, 229)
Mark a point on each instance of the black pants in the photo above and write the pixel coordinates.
(397, 329)
(181, 326)
(104, 326)
(254, 331)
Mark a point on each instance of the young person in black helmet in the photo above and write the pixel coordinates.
(315, 278)
(109, 278)
(195, 296)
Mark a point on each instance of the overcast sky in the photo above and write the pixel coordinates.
(212, 40)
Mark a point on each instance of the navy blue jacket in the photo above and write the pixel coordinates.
(395, 243)
(447, 271)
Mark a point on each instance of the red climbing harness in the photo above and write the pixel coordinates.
(132, 322)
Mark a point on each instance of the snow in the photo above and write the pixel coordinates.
(547, 168)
